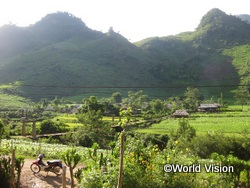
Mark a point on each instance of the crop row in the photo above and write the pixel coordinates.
(29, 148)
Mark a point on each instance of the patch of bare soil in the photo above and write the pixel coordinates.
(42, 179)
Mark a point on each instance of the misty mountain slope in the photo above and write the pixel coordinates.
(62, 53)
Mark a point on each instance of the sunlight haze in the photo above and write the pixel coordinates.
(134, 19)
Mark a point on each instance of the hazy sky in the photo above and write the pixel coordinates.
(134, 19)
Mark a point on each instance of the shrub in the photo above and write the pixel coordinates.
(48, 126)
(204, 146)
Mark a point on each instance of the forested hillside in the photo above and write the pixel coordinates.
(61, 56)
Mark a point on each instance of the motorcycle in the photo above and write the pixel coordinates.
(54, 166)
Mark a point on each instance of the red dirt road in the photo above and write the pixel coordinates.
(41, 180)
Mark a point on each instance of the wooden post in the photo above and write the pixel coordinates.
(113, 119)
(12, 178)
(23, 129)
(64, 176)
(121, 160)
(34, 129)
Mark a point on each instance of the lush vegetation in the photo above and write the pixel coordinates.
(66, 60)
(144, 161)
(223, 122)
(153, 139)
(80, 62)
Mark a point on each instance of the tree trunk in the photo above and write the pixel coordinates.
(72, 177)
(121, 160)
(12, 178)
(64, 177)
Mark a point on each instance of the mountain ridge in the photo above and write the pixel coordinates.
(60, 50)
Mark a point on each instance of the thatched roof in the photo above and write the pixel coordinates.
(204, 106)
(180, 113)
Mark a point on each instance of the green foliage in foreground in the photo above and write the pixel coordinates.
(5, 171)
(144, 162)
(33, 149)
(143, 167)
(71, 159)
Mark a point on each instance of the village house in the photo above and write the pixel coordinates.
(209, 107)
(180, 114)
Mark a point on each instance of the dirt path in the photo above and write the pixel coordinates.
(41, 180)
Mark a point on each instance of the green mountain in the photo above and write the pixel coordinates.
(61, 56)
(244, 17)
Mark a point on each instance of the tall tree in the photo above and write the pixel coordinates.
(117, 96)
(242, 96)
(56, 101)
(191, 98)
(136, 99)
(157, 106)
(91, 103)
(44, 103)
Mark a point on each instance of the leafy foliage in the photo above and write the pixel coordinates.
(204, 146)
(191, 98)
(93, 128)
(61, 51)
(71, 159)
(48, 126)
(223, 29)
(5, 171)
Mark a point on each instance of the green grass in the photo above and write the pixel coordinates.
(12, 101)
(231, 123)
(69, 119)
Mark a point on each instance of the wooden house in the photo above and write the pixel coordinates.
(209, 107)
(180, 114)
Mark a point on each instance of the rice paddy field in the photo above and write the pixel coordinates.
(232, 122)
(229, 123)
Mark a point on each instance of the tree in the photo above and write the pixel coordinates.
(94, 129)
(110, 31)
(117, 96)
(157, 106)
(191, 98)
(56, 102)
(91, 119)
(127, 114)
(92, 104)
(48, 126)
(71, 159)
(44, 103)
(221, 100)
(135, 100)
(185, 131)
(19, 162)
(174, 103)
(241, 96)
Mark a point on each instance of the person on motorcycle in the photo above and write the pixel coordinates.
(40, 158)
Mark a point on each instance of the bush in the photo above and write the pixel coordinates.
(204, 146)
(5, 172)
(155, 139)
(48, 126)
